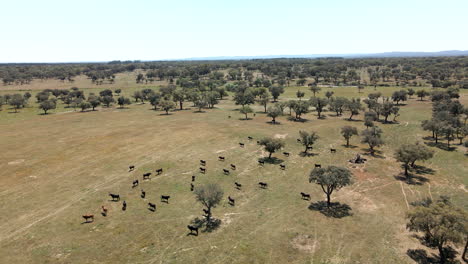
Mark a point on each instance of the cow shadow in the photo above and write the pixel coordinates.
(376, 154)
(335, 210)
(300, 120)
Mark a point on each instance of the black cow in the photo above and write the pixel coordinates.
(165, 198)
(250, 138)
(115, 197)
(298, 140)
(193, 178)
(310, 148)
(238, 185)
(282, 166)
(226, 171)
(159, 171)
(202, 170)
(191, 187)
(152, 207)
(192, 228)
(233, 167)
(146, 175)
(241, 145)
(124, 206)
(203, 162)
(333, 150)
(263, 185)
(305, 196)
(258, 142)
(318, 165)
(221, 158)
(131, 167)
(206, 211)
(135, 183)
(232, 202)
(261, 162)
(143, 194)
(286, 154)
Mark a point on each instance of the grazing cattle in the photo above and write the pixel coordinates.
(202, 170)
(191, 187)
(333, 150)
(193, 178)
(310, 148)
(131, 167)
(263, 185)
(135, 183)
(165, 198)
(318, 165)
(255, 114)
(241, 144)
(104, 210)
(146, 175)
(226, 171)
(203, 162)
(233, 167)
(193, 229)
(250, 138)
(221, 158)
(124, 206)
(143, 194)
(299, 140)
(159, 171)
(229, 116)
(88, 216)
(258, 142)
(152, 207)
(261, 162)
(282, 166)
(286, 154)
(238, 185)
(206, 211)
(231, 201)
(115, 197)
(305, 196)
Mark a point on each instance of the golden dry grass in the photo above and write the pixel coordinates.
(57, 167)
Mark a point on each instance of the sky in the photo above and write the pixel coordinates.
(105, 30)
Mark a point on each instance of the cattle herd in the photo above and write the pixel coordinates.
(165, 198)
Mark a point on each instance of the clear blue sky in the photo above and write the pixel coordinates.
(102, 30)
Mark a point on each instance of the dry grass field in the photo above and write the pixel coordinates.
(55, 168)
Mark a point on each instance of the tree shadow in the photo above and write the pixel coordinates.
(411, 179)
(335, 210)
(301, 120)
(376, 154)
(271, 123)
(440, 145)
(245, 119)
(352, 120)
(420, 256)
(199, 112)
(308, 154)
(423, 170)
(209, 226)
(272, 160)
(350, 146)
(164, 114)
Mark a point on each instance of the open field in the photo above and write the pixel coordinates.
(55, 168)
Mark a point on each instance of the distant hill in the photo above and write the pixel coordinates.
(392, 54)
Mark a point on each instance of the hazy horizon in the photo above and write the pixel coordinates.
(54, 31)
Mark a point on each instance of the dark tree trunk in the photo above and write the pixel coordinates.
(180, 104)
(269, 156)
(441, 254)
(406, 170)
(328, 200)
(347, 142)
(464, 251)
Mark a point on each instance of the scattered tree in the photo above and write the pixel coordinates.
(272, 145)
(330, 179)
(348, 132)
